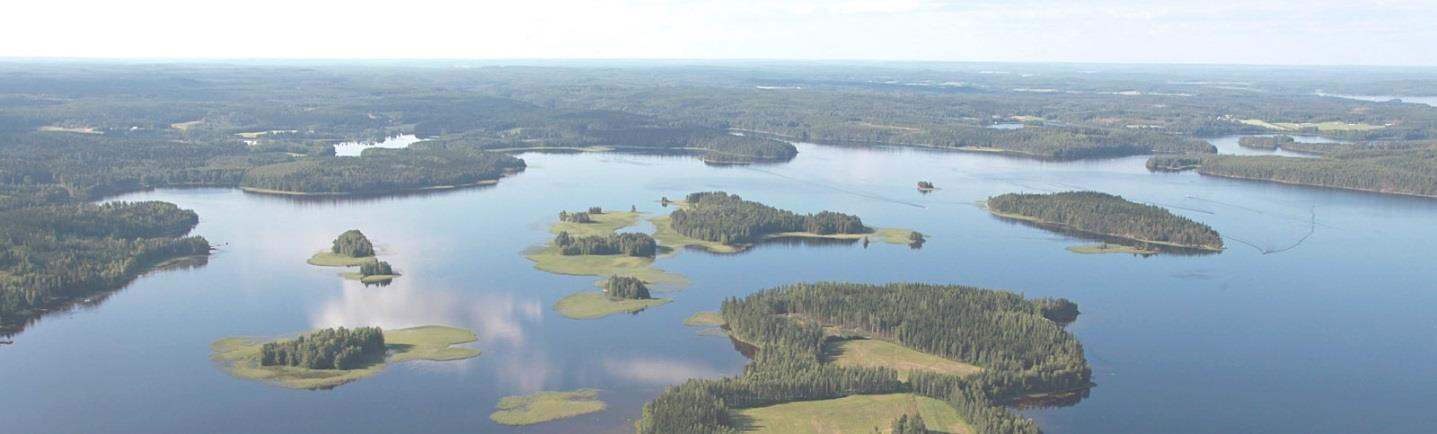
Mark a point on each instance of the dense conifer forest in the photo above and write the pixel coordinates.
(1106, 214)
(382, 170)
(729, 219)
(1400, 171)
(626, 287)
(53, 254)
(1021, 350)
(628, 243)
(352, 243)
(376, 268)
(339, 348)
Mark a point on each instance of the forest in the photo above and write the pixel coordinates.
(382, 171)
(376, 268)
(336, 348)
(54, 254)
(1266, 142)
(1410, 172)
(1106, 214)
(729, 219)
(628, 243)
(626, 287)
(352, 243)
(1021, 351)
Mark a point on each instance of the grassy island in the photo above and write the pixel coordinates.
(706, 221)
(599, 234)
(244, 357)
(858, 414)
(938, 334)
(1108, 216)
(1097, 249)
(593, 305)
(546, 406)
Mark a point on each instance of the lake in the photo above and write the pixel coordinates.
(1330, 334)
(353, 149)
(1426, 100)
(1228, 145)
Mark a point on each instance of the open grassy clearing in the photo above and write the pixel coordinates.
(1320, 126)
(858, 414)
(64, 129)
(595, 305)
(239, 356)
(887, 235)
(881, 353)
(603, 224)
(546, 406)
(549, 259)
(331, 259)
(704, 319)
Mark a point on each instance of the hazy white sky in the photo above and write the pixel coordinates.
(1402, 32)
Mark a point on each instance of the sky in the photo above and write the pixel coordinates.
(1323, 32)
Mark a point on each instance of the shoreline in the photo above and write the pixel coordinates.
(1038, 221)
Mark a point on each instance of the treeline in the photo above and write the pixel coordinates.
(352, 243)
(1106, 214)
(628, 243)
(626, 287)
(382, 170)
(54, 254)
(728, 219)
(1266, 142)
(1021, 351)
(1403, 171)
(339, 348)
(376, 268)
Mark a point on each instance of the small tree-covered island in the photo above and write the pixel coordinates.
(995, 347)
(1147, 228)
(622, 294)
(328, 358)
(352, 248)
(726, 223)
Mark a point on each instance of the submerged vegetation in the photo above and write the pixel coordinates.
(1019, 344)
(1107, 215)
(546, 406)
(309, 361)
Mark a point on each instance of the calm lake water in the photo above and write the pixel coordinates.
(1228, 145)
(1333, 333)
(353, 149)
(1426, 100)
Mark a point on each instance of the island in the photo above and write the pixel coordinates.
(963, 354)
(350, 249)
(546, 406)
(1400, 169)
(1105, 215)
(719, 222)
(381, 171)
(588, 243)
(372, 272)
(621, 294)
(328, 358)
(926, 187)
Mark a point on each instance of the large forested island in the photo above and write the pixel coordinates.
(725, 223)
(1391, 169)
(1109, 216)
(54, 255)
(381, 171)
(328, 358)
(1018, 344)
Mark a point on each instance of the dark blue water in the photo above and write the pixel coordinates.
(1332, 333)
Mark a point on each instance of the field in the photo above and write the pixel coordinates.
(239, 356)
(858, 414)
(330, 259)
(1320, 126)
(704, 319)
(881, 353)
(595, 305)
(604, 224)
(546, 406)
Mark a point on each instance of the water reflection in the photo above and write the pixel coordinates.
(13, 325)
(658, 370)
